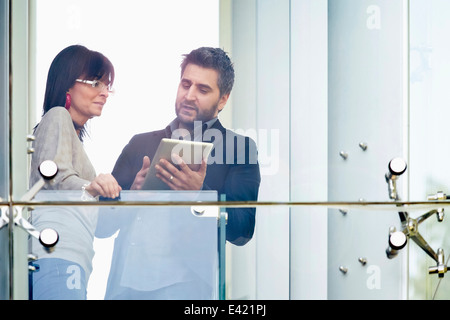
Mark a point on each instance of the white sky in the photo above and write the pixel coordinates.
(145, 41)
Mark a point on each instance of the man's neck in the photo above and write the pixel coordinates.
(195, 129)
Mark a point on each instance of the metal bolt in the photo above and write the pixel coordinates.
(440, 214)
(32, 257)
(344, 155)
(343, 269)
(362, 260)
(363, 146)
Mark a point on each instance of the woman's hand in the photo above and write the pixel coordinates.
(104, 185)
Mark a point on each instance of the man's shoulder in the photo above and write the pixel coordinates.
(240, 145)
(248, 136)
(148, 137)
(228, 133)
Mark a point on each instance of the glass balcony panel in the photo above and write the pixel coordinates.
(159, 251)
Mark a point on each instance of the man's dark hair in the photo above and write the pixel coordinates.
(212, 58)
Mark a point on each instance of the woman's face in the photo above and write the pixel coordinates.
(86, 101)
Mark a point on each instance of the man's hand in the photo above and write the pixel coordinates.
(181, 179)
(140, 176)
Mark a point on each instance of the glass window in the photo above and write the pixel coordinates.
(4, 100)
(331, 91)
(145, 41)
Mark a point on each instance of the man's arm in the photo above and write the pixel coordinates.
(242, 181)
(242, 184)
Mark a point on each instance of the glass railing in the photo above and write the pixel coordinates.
(171, 245)
(146, 245)
(390, 250)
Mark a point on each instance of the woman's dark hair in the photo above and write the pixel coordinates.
(212, 58)
(74, 62)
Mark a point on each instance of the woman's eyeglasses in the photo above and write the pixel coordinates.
(97, 85)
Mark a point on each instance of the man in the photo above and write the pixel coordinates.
(207, 78)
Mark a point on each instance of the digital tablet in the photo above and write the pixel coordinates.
(192, 153)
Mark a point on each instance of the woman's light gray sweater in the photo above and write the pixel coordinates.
(57, 140)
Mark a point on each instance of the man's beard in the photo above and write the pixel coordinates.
(203, 117)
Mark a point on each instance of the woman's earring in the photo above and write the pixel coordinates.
(68, 101)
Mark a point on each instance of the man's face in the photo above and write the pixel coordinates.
(198, 96)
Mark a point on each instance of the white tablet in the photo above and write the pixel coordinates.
(192, 153)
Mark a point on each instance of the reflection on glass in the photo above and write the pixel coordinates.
(4, 147)
(429, 51)
(4, 101)
(158, 252)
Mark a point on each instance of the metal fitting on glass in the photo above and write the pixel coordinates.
(363, 146)
(47, 237)
(344, 155)
(410, 226)
(441, 267)
(362, 260)
(343, 269)
(397, 240)
(438, 196)
(396, 168)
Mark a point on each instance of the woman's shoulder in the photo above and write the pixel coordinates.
(59, 112)
(57, 119)
(56, 115)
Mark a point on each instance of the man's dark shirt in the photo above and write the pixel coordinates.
(236, 174)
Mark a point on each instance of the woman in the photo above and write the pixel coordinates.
(78, 85)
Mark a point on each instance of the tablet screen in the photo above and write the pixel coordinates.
(192, 153)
